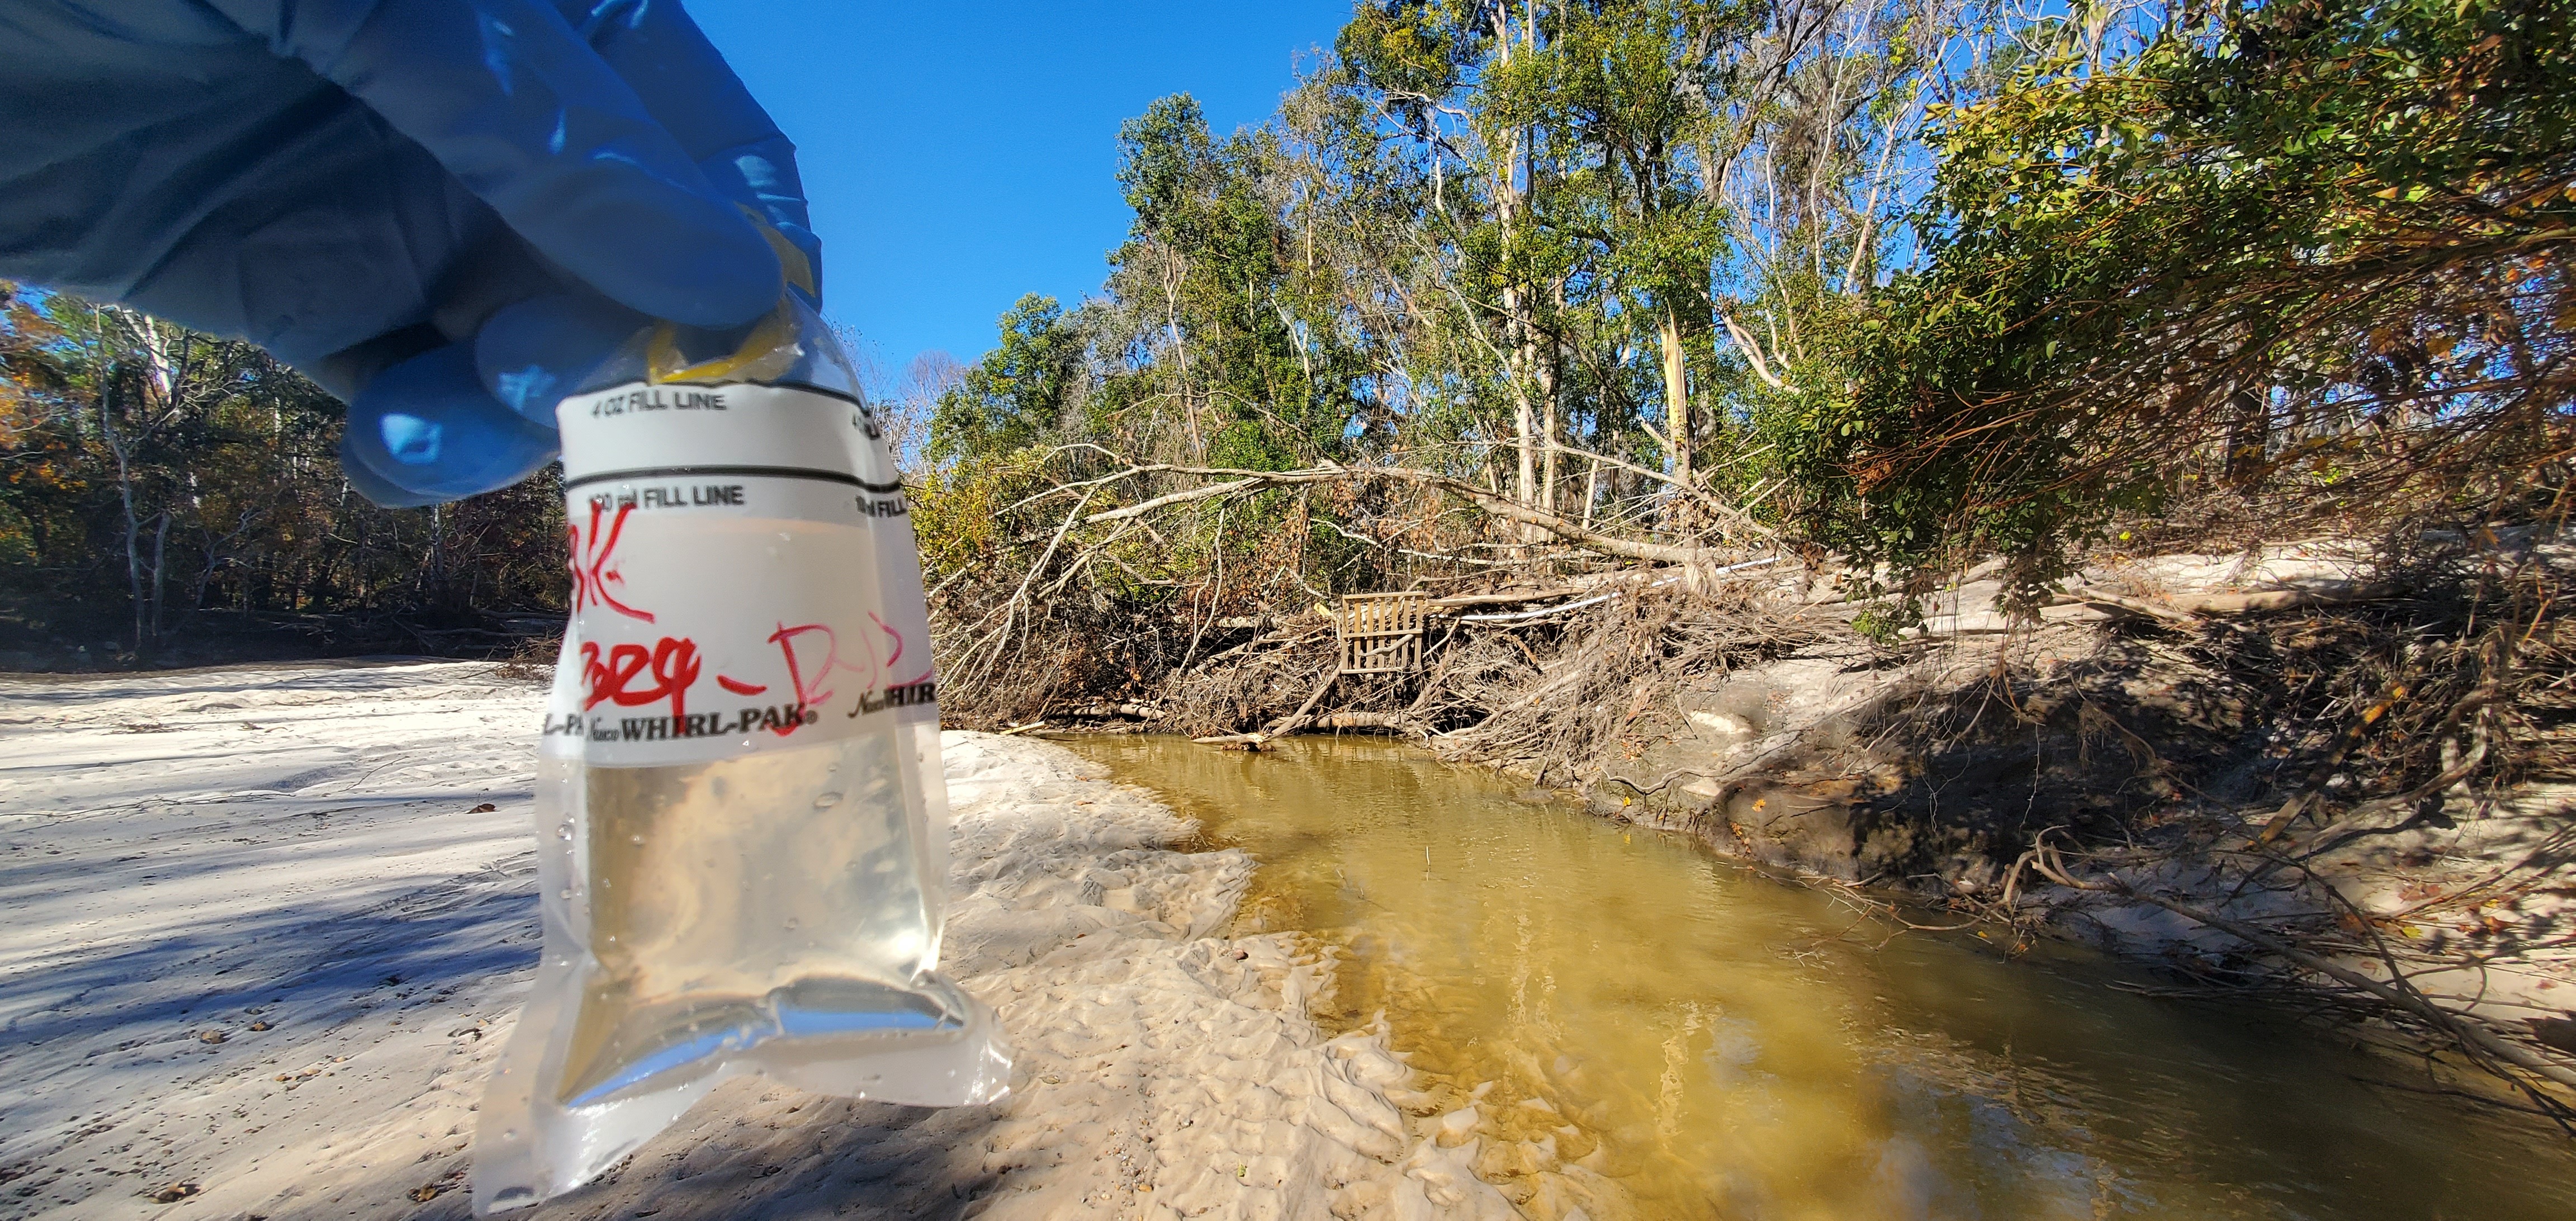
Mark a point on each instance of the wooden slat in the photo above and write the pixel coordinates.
(1380, 633)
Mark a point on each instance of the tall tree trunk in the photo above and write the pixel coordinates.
(433, 565)
(1517, 351)
(1591, 491)
(1551, 374)
(1524, 420)
(160, 553)
(1677, 409)
(1517, 339)
(1172, 273)
(125, 497)
(1548, 430)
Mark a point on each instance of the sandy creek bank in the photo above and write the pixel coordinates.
(268, 928)
(2156, 750)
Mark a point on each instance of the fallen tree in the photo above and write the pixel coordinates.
(1138, 568)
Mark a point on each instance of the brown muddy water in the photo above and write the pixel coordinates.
(1636, 1026)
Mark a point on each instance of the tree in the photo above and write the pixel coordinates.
(1258, 363)
(2321, 246)
(1018, 393)
(151, 476)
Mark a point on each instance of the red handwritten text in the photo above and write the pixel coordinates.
(591, 574)
(673, 665)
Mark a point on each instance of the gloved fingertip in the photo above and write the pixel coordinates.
(427, 428)
(379, 491)
(530, 355)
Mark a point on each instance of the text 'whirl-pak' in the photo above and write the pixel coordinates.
(742, 829)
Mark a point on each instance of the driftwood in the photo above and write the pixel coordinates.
(2192, 608)
(1362, 720)
(1241, 482)
(2283, 599)
(2079, 595)
(1546, 688)
(1102, 710)
(1508, 597)
(1542, 612)
(990, 634)
(1290, 724)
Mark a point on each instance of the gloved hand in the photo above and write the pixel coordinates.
(444, 211)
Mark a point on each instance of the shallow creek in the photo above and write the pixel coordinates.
(1600, 1000)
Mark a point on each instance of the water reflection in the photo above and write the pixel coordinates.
(1634, 1026)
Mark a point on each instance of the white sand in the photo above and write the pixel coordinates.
(339, 855)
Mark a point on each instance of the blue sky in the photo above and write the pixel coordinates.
(958, 156)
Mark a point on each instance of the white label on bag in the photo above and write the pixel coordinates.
(743, 577)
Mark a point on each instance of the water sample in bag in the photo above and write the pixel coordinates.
(742, 827)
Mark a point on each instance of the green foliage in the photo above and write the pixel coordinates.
(2313, 246)
(1261, 375)
(1018, 393)
(2288, 242)
(1411, 51)
(961, 512)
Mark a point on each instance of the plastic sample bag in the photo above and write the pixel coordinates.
(742, 828)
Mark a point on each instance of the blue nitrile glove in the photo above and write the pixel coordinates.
(444, 211)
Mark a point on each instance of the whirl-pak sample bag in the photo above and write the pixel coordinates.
(742, 828)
